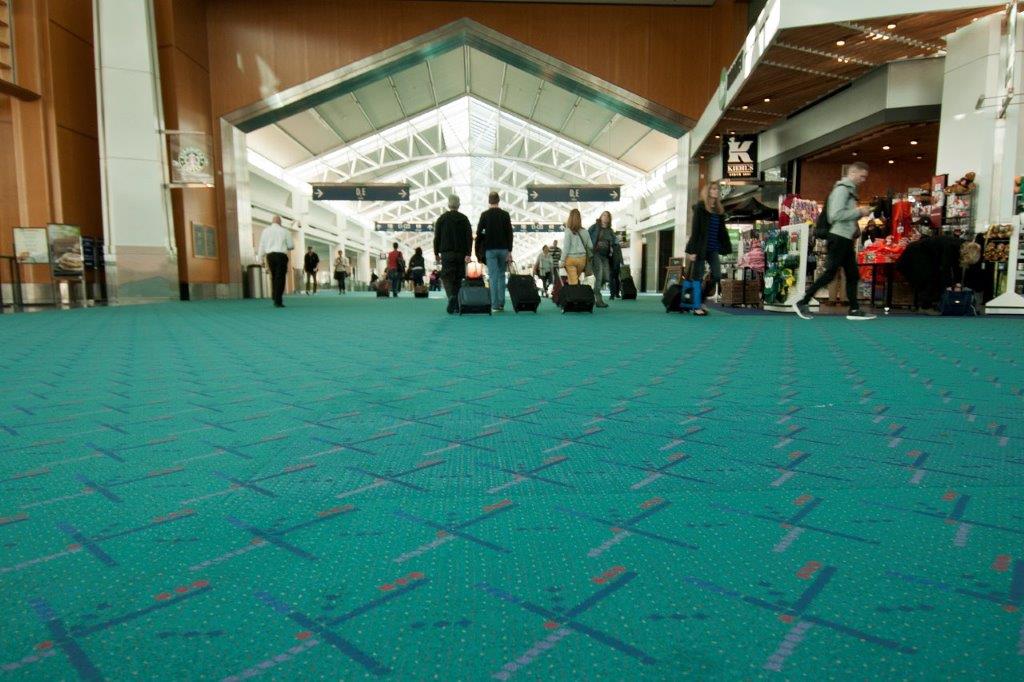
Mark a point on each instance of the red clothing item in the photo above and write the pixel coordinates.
(393, 259)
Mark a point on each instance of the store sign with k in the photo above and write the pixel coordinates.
(739, 156)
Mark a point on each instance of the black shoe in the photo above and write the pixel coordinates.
(859, 316)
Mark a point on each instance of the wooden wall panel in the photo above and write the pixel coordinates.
(80, 189)
(8, 183)
(72, 15)
(185, 90)
(818, 177)
(74, 81)
(192, 95)
(190, 30)
(670, 55)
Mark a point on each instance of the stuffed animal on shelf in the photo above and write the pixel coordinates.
(964, 185)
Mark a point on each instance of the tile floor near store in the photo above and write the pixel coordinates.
(353, 488)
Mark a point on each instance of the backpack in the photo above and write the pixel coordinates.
(603, 247)
(822, 226)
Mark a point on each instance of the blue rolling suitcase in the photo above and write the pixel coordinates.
(689, 295)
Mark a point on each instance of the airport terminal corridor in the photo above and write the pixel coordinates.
(353, 488)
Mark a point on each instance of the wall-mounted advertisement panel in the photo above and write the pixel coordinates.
(30, 245)
(66, 251)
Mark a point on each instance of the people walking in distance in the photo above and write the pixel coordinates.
(396, 269)
(310, 264)
(603, 238)
(578, 247)
(275, 243)
(434, 279)
(417, 267)
(494, 239)
(341, 269)
(556, 262)
(542, 268)
(842, 214)
(453, 244)
(709, 240)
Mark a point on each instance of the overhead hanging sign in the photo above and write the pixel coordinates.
(573, 193)
(340, 191)
(429, 227)
(739, 157)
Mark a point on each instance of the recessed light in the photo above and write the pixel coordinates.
(913, 142)
(745, 107)
(718, 137)
(855, 153)
(891, 26)
(892, 161)
(919, 158)
(840, 43)
(885, 147)
(767, 99)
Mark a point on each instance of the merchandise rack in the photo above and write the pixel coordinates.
(796, 292)
(1011, 301)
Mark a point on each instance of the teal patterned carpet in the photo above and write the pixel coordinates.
(352, 488)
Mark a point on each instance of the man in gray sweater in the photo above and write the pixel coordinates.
(843, 215)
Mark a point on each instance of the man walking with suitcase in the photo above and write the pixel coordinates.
(453, 242)
(494, 238)
(842, 213)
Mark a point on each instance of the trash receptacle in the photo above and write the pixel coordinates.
(254, 281)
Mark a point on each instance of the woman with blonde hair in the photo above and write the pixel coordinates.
(708, 239)
(577, 247)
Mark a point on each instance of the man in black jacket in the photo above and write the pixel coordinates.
(494, 239)
(453, 242)
(310, 264)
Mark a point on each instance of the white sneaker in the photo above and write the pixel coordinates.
(802, 310)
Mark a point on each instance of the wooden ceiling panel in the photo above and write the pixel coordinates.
(803, 65)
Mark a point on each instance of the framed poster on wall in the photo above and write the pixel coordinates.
(66, 250)
(30, 245)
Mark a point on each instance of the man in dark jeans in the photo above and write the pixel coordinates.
(494, 240)
(275, 243)
(310, 264)
(453, 242)
(843, 215)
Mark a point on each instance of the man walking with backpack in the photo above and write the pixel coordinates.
(603, 238)
(841, 214)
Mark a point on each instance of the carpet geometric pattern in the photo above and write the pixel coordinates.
(352, 488)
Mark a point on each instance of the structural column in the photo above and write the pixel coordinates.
(975, 139)
(681, 196)
(141, 260)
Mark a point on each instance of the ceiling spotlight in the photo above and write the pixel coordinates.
(855, 153)
(885, 37)
(891, 26)
(919, 158)
(840, 43)
(885, 147)
(767, 99)
(718, 137)
(891, 161)
(745, 107)
(913, 142)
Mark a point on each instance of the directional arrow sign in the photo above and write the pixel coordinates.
(573, 193)
(339, 191)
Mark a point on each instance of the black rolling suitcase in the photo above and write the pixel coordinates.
(522, 289)
(672, 298)
(628, 289)
(576, 298)
(421, 291)
(474, 298)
